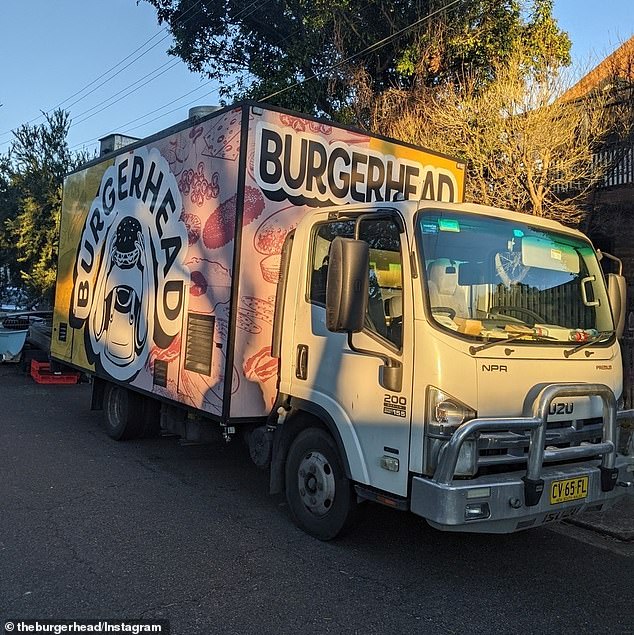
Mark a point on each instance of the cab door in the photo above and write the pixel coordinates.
(373, 421)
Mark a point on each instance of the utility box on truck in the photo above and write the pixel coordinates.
(327, 294)
(170, 249)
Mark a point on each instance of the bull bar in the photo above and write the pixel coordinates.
(514, 500)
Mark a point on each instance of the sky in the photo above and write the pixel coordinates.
(106, 62)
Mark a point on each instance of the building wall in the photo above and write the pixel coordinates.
(612, 230)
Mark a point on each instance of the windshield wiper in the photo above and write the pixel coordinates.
(596, 340)
(476, 349)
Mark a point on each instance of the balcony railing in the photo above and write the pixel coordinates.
(614, 162)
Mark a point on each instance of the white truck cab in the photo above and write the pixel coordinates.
(471, 378)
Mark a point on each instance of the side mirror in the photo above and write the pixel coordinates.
(347, 285)
(617, 294)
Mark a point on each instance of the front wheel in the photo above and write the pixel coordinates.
(319, 494)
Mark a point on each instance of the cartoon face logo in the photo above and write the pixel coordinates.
(122, 322)
(130, 274)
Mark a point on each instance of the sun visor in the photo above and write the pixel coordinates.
(548, 254)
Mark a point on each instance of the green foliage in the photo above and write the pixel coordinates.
(31, 177)
(305, 54)
(545, 45)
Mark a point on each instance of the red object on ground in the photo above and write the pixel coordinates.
(41, 373)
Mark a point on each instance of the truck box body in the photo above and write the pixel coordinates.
(169, 250)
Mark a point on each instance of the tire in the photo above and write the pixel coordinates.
(319, 495)
(123, 413)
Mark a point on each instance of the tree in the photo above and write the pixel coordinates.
(522, 145)
(9, 270)
(31, 178)
(308, 55)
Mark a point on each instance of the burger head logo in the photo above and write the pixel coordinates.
(130, 276)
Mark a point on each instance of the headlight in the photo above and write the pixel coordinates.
(444, 415)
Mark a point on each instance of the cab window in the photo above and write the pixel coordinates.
(385, 302)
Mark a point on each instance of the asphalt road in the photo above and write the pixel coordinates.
(92, 528)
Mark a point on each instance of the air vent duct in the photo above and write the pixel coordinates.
(201, 111)
(200, 342)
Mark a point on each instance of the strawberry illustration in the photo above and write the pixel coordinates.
(219, 228)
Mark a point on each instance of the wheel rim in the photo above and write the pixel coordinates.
(316, 483)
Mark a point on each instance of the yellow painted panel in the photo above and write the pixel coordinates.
(80, 189)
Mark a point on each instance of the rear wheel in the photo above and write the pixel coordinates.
(319, 494)
(123, 411)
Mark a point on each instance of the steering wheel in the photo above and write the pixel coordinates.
(498, 310)
(444, 309)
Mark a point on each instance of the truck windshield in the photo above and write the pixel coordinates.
(489, 279)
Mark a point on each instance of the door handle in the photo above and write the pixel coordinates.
(301, 368)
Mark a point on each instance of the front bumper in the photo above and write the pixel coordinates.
(444, 505)
(504, 503)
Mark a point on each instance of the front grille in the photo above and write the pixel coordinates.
(500, 450)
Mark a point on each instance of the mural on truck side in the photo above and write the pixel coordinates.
(129, 278)
(155, 248)
(148, 238)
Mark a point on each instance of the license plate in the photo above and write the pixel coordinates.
(570, 489)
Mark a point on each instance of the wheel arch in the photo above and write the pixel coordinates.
(302, 415)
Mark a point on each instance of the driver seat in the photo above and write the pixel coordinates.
(444, 289)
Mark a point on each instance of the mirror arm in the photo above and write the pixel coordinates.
(584, 293)
(389, 362)
(614, 259)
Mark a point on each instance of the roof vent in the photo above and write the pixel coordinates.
(114, 142)
(201, 111)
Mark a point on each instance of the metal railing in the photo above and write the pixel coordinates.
(614, 163)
